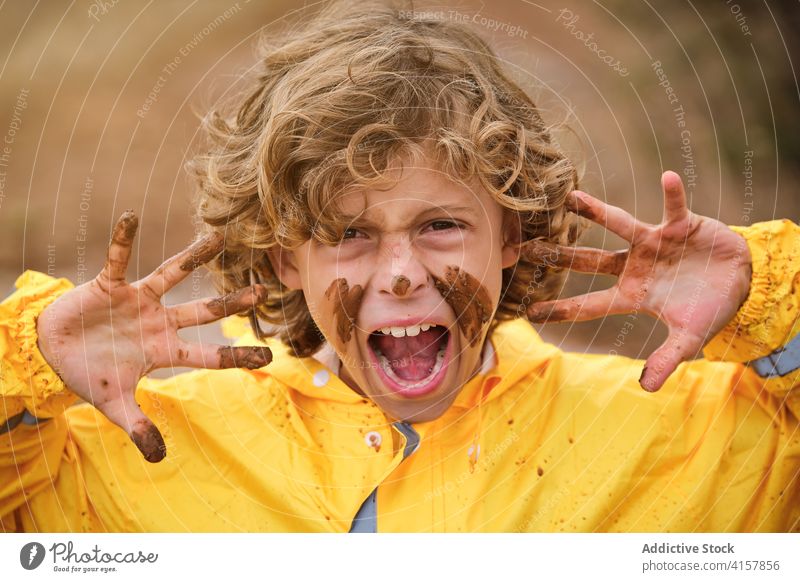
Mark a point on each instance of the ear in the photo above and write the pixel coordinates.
(512, 237)
(284, 264)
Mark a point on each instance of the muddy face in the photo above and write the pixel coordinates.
(469, 300)
(346, 302)
(398, 342)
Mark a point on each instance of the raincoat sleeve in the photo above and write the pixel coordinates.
(717, 448)
(32, 395)
(769, 318)
(68, 468)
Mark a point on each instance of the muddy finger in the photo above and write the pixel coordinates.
(579, 259)
(215, 357)
(204, 311)
(126, 414)
(177, 268)
(619, 221)
(679, 346)
(579, 308)
(119, 249)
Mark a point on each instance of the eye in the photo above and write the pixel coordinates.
(444, 224)
(351, 233)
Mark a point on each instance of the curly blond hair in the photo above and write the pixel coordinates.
(332, 104)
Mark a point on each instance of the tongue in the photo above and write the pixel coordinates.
(411, 358)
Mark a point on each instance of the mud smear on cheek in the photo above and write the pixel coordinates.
(469, 299)
(346, 303)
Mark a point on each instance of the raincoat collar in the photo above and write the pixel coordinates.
(514, 351)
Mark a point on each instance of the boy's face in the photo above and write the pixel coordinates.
(421, 261)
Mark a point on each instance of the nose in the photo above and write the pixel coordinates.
(400, 285)
(401, 273)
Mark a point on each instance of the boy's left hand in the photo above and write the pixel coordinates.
(692, 272)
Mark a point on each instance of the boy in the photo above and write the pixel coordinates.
(394, 207)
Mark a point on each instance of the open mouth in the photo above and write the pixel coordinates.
(411, 361)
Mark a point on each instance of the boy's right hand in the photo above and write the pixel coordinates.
(103, 336)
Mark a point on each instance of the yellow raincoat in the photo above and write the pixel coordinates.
(542, 440)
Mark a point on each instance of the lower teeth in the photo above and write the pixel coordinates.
(387, 368)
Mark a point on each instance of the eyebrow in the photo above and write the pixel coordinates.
(362, 219)
(467, 209)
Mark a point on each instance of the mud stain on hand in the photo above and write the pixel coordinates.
(149, 441)
(469, 299)
(237, 301)
(576, 204)
(346, 303)
(550, 312)
(203, 250)
(250, 357)
(400, 285)
(125, 229)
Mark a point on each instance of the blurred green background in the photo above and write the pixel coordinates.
(99, 103)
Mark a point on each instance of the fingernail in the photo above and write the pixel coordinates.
(150, 443)
(646, 385)
(644, 370)
(127, 225)
(572, 199)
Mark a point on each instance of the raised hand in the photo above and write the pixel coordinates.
(103, 336)
(691, 272)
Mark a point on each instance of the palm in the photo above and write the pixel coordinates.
(691, 272)
(103, 336)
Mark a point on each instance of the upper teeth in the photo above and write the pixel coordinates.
(411, 330)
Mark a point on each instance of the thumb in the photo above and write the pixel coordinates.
(125, 413)
(680, 345)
